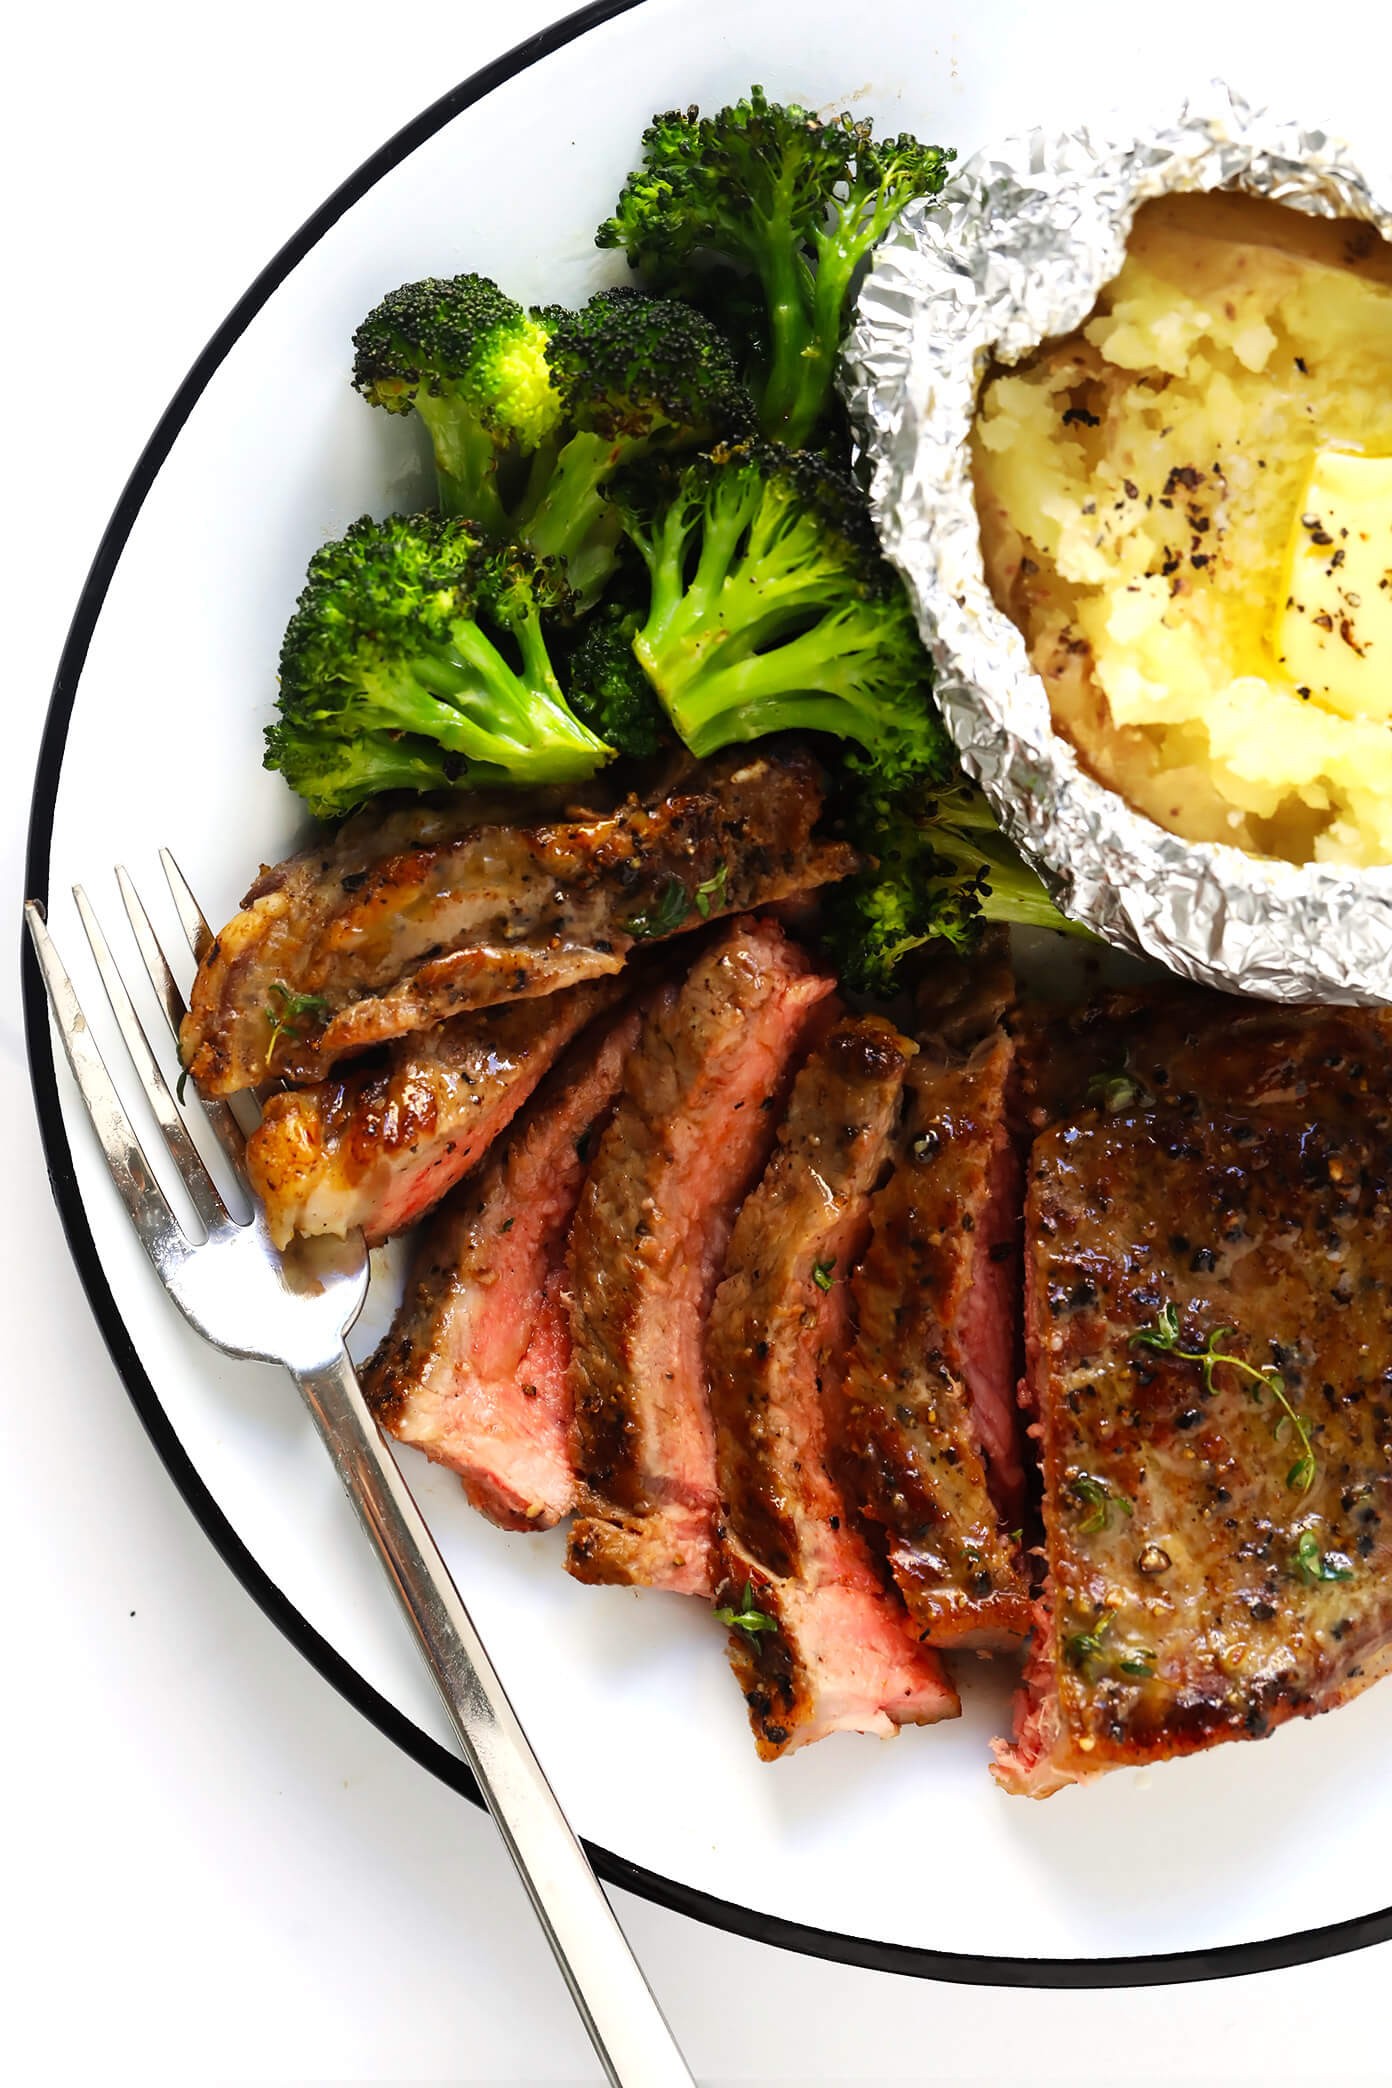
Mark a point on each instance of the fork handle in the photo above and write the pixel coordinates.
(627, 2028)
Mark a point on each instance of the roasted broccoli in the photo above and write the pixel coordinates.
(778, 194)
(634, 374)
(770, 607)
(416, 658)
(608, 688)
(531, 413)
(940, 867)
(473, 365)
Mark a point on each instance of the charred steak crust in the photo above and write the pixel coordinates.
(841, 1653)
(378, 1147)
(407, 917)
(474, 1370)
(1205, 1583)
(689, 1135)
(927, 1421)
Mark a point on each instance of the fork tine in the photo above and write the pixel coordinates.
(191, 915)
(226, 1129)
(182, 1151)
(159, 1230)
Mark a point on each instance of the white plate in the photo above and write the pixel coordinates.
(902, 1854)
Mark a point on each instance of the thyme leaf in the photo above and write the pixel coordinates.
(294, 1008)
(746, 1618)
(1092, 1654)
(1098, 1499)
(710, 896)
(667, 912)
(1081, 1648)
(1310, 1564)
(1115, 1091)
(823, 1274)
(1163, 1337)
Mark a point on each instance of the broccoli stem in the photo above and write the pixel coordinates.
(1013, 893)
(568, 515)
(527, 714)
(466, 463)
(787, 289)
(702, 643)
(803, 684)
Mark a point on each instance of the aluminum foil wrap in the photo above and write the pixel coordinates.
(1013, 252)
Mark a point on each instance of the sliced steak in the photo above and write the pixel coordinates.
(928, 1423)
(406, 917)
(832, 1648)
(475, 1369)
(1218, 1541)
(692, 1130)
(378, 1147)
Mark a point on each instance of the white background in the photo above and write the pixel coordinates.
(214, 1869)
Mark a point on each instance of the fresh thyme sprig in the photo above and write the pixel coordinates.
(1312, 1565)
(710, 896)
(1089, 1652)
(1163, 1338)
(1099, 1499)
(285, 1020)
(746, 1618)
(666, 914)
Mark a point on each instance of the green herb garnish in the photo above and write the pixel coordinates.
(1163, 1337)
(181, 1084)
(1113, 1092)
(294, 1007)
(746, 1617)
(1311, 1565)
(1083, 1647)
(668, 911)
(1097, 1497)
(710, 896)
(823, 1274)
(1089, 1652)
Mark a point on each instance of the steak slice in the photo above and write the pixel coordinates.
(928, 1425)
(833, 1649)
(692, 1129)
(474, 1371)
(406, 917)
(1218, 1546)
(377, 1147)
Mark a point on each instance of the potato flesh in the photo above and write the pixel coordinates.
(1138, 484)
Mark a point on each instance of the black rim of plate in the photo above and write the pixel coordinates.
(1155, 1970)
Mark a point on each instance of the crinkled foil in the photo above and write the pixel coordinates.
(1013, 252)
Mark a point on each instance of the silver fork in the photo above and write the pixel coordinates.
(235, 1289)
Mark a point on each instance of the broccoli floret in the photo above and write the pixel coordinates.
(332, 772)
(942, 869)
(771, 609)
(634, 374)
(607, 687)
(531, 413)
(473, 364)
(415, 634)
(776, 193)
